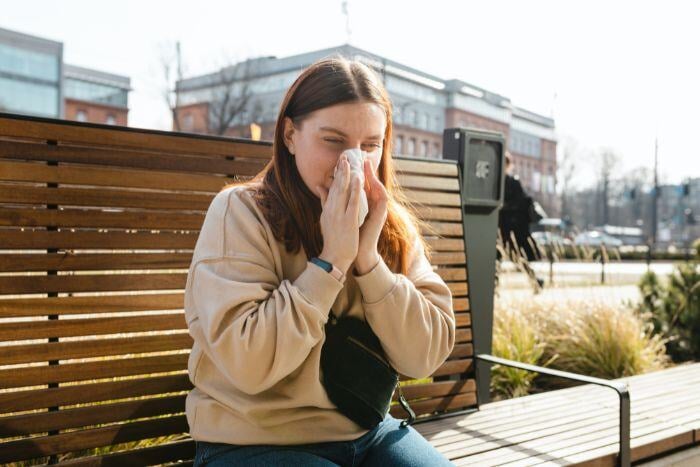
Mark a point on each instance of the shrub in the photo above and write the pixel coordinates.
(675, 309)
(591, 338)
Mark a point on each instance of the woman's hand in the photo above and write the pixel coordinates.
(339, 217)
(377, 200)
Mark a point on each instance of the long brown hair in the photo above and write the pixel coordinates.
(290, 208)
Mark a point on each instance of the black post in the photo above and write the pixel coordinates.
(481, 157)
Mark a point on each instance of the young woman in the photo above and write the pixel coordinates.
(257, 300)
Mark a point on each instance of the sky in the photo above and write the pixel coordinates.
(614, 75)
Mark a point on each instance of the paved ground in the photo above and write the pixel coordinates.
(580, 281)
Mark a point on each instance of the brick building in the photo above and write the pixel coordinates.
(424, 105)
(34, 80)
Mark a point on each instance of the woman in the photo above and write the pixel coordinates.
(256, 301)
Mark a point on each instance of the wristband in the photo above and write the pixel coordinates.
(329, 268)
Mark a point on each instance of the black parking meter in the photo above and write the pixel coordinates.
(481, 158)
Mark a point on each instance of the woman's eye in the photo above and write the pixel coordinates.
(374, 145)
(333, 140)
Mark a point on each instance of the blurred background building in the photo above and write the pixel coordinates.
(228, 100)
(34, 80)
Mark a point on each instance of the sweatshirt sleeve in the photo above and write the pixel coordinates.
(411, 314)
(256, 328)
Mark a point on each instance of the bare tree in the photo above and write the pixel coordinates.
(172, 67)
(567, 166)
(232, 97)
(608, 162)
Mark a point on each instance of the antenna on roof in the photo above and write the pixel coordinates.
(347, 19)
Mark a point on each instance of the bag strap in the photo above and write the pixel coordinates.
(407, 408)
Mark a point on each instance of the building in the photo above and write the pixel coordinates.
(95, 96)
(34, 80)
(424, 105)
(31, 71)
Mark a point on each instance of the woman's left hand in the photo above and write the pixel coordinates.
(377, 202)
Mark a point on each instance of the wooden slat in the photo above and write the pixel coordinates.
(116, 157)
(433, 198)
(438, 213)
(463, 335)
(70, 261)
(439, 404)
(452, 274)
(428, 183)
(92, 283)
(80, 417)
(460, 304)
(96, 218)
(35, 375)
(84, 439)
(15, 239)
(453, 229)
(29, 353)
(422, 167)
(103, 176)
(16, 331)
(20, 307)
(463, 319)
(113, 198)
(103, 135)
(458, 288)
(518, 448)
(452, 367)
(445, 244)
(449, 258)
(461, 351)
(436, 389)
(83, 393)
(154, 455)
(497, 418)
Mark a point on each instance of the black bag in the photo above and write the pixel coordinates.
(356, 374)
(533, 216)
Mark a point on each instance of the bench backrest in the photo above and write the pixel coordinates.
(97, 227)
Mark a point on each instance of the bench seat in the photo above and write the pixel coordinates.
(578, 425)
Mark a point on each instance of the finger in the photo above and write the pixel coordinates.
(354, 201)
(324, 194)
(369, 173)
(345, 181)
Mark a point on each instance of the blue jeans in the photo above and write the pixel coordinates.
(386, 445)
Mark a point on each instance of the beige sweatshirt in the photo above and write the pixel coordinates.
(257, 314)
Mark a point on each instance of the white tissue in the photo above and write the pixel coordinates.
(356, 159)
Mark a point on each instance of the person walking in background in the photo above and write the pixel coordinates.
(514, 220)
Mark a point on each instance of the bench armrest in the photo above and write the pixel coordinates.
(624, 458)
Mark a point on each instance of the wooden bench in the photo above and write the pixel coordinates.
(97, 227)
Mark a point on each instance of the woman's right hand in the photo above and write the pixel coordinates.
(339, 217)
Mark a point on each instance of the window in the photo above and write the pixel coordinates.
(30, 98)
(423, 121)
(411, 150)
(81, 116)
(95, 92)
(111, 119)
(424, 149)
(187, 121)
(30, 64)
(436, 150)
(397, 114)
(399, 145)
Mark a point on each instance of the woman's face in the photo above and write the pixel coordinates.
(324, 134)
